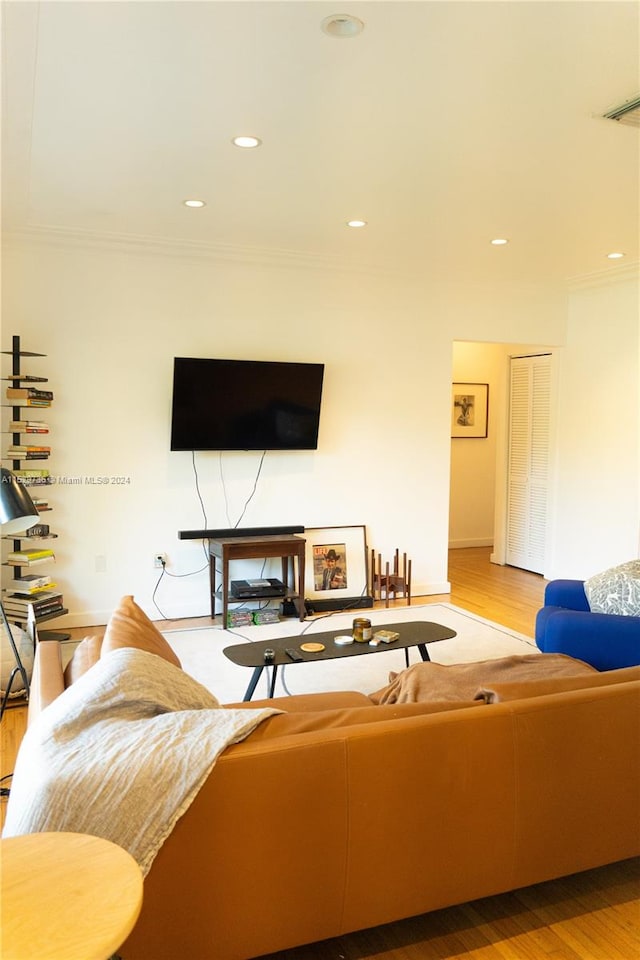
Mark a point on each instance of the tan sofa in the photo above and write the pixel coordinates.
(341, 814)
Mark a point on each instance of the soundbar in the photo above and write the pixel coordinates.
(335, 605)
(238, 532)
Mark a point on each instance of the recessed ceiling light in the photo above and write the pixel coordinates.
(499, 242)
(615, 256)
(356, 223)
(247, 142)
(194, 203)
(342, 26)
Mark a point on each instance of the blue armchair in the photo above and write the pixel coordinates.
(566, 625)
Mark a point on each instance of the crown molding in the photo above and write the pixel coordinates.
(194, 250)
(601, 278)
(273, 257)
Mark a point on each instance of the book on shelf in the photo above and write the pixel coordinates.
(29, 448)
(27, 377)
(28, 393)
(29, 556)
(28, 426)
(37, 611)
(50, 593)
(29, 563)
(30, 594)
(37, 606)
(31, 472)
(13, 454)
(33, 481)
(30, 402)
(19, 602)
(29, 582)
(33, 594)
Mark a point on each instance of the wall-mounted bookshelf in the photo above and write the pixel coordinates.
(30, 594)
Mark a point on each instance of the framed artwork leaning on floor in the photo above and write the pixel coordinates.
(335, 563)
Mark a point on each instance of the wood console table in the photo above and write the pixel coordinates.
(285, 546)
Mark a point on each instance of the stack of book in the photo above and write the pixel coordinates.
(31, 475)
(28, 426)
(28, 452)
(40, 504)
(27, 558)
(29, 397)
(30, 584)
(45, 604)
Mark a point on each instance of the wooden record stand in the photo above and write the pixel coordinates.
(390, 580)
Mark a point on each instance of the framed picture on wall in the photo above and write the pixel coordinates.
(335, 563)
(469, 410)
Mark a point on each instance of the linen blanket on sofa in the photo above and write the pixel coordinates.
(465, 681)
(122, 753)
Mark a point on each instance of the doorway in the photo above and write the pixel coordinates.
(479, 467)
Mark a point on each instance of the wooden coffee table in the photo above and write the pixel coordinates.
(416, 633)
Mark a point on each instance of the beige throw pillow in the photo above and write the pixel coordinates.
(129, 626)
(84, 656)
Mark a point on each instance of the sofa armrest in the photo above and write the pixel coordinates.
(566, 593)
(605, 640)
(47, 681)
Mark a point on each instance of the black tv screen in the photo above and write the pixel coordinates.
(245, 404)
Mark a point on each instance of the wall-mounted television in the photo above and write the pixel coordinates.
(245, 404)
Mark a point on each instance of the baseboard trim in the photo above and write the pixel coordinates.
(94, 621)
(477, 542)
(429, 589)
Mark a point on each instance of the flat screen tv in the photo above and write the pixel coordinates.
(245, 404)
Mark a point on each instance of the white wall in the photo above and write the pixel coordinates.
(111, 319)
(473, 461)
(596, 521)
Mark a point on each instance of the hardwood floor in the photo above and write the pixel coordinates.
(505, 595)
(588, 916)
(593, 915)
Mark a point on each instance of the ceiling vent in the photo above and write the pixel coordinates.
(628, 112)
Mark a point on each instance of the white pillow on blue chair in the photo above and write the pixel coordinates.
(616, 590)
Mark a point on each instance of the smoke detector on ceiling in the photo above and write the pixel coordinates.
(627, 112)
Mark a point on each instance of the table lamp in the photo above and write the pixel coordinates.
(17, 513)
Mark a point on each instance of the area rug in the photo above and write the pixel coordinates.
(200, 651)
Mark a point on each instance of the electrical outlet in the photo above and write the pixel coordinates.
(159, 560)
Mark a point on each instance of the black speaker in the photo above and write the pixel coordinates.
(238, 532)
(335, 605)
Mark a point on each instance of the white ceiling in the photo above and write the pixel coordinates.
(444, 124)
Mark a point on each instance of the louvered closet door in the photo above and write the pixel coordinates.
(528, 463)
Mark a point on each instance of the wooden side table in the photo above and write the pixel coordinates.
(66, 896)
(286, 546)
